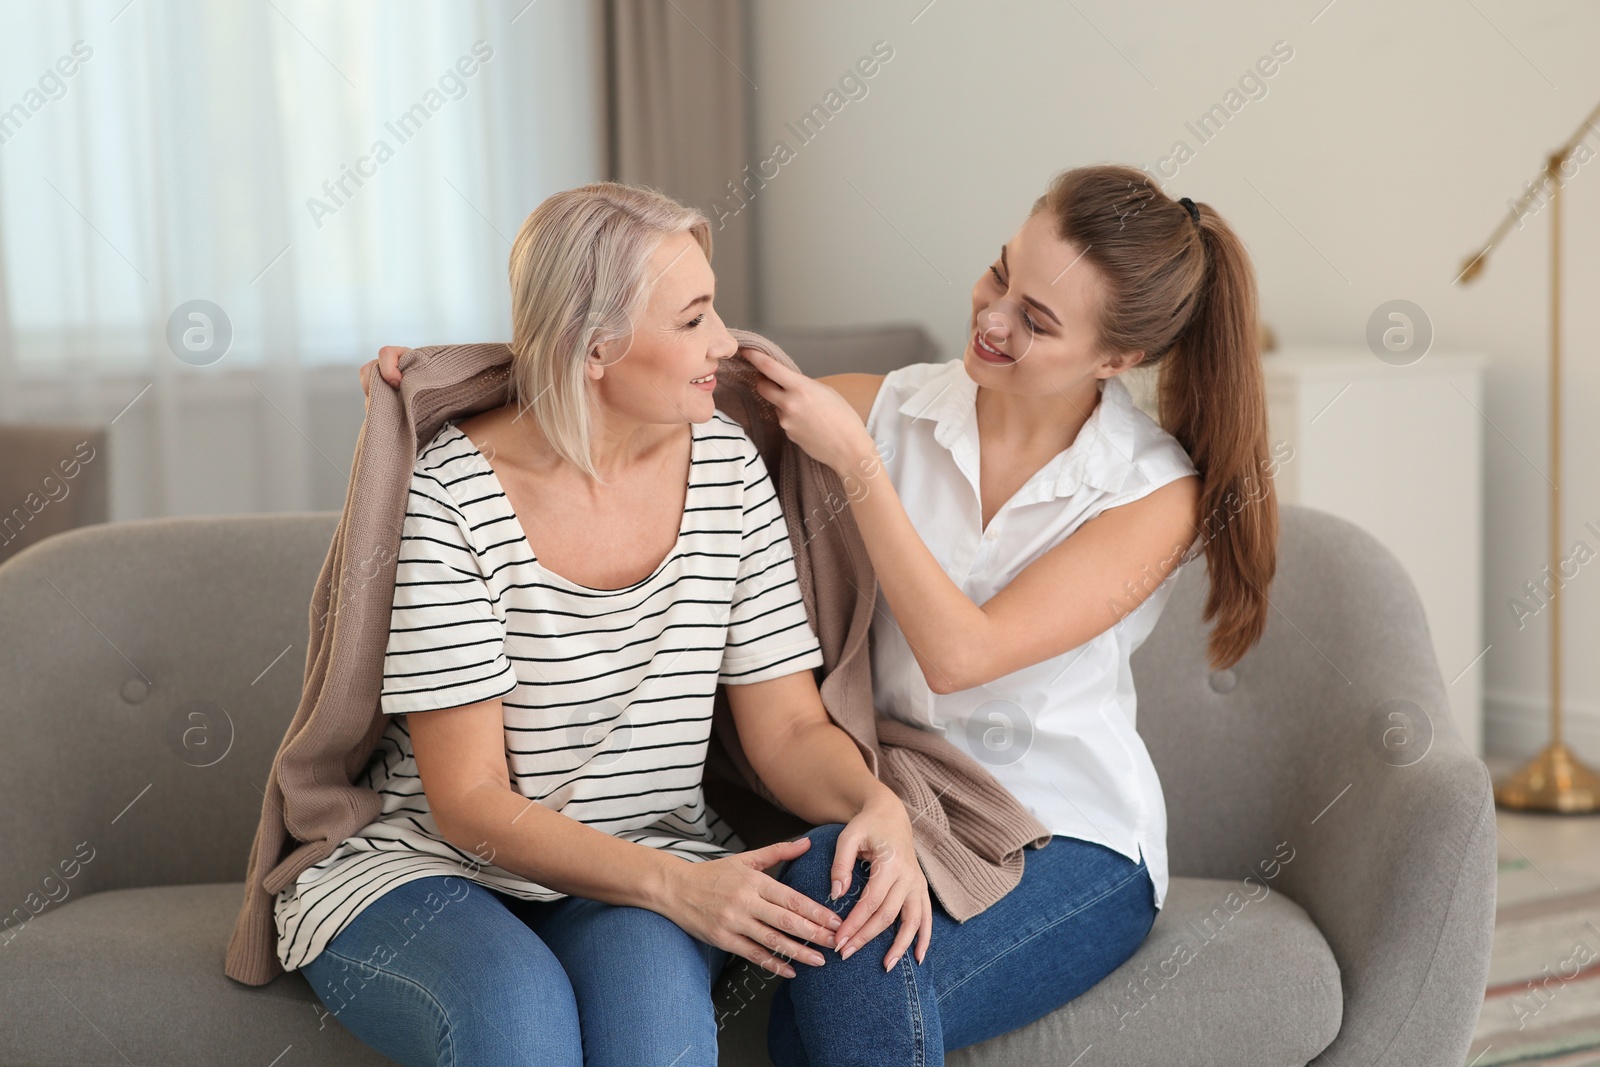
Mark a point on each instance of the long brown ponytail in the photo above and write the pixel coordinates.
(1184, 293)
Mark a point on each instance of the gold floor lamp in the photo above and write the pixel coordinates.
(1554, 780)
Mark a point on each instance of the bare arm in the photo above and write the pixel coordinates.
(1109, 565)
(816, 770)
(808, 762)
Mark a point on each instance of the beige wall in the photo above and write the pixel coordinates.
(1380, 154)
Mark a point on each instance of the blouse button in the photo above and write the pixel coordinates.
(1223, 681)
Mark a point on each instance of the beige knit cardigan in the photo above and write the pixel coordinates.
(969, 831)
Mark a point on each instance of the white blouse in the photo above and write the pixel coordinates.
(1060, 734)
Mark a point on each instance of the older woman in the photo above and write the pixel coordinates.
(545, 883)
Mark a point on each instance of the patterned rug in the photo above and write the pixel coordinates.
(1542, 1005)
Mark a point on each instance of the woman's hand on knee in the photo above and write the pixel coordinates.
(896, 885)
(732, 904)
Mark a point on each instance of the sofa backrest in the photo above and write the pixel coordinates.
(820, 351)
(148, 671)
(1344, 682)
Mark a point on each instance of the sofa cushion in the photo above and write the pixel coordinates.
(135, 975)
(1226, 978)
(1223, 980)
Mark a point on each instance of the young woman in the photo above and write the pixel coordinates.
(1025, 524)
(545, 884)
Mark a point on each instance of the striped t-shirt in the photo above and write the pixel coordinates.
(607, 694)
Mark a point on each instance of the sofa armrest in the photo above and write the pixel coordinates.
(1334, 738)
(1397, 870)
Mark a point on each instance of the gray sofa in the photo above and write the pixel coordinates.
(148, 670)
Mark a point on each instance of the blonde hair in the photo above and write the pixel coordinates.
(579, 279)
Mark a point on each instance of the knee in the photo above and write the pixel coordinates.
(626, 925)
(811, 873)
(652, 941)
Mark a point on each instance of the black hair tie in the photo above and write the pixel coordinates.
(1194, 213)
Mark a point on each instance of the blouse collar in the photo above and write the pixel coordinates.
(1101, 456)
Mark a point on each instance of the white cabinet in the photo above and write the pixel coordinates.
(1398, 450)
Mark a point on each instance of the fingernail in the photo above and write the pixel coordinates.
(890, 965)
(847, 953)
(834, 922)
(837, 889)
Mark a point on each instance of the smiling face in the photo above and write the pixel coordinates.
(664, 370)
(1033, 326)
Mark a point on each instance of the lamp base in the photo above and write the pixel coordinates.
(1555, 780)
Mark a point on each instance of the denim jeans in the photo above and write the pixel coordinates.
(444, 971)
(1079, 912)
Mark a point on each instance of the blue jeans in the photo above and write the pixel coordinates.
(444, 971)
(1079, 912)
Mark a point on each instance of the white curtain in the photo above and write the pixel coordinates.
(325, 178)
